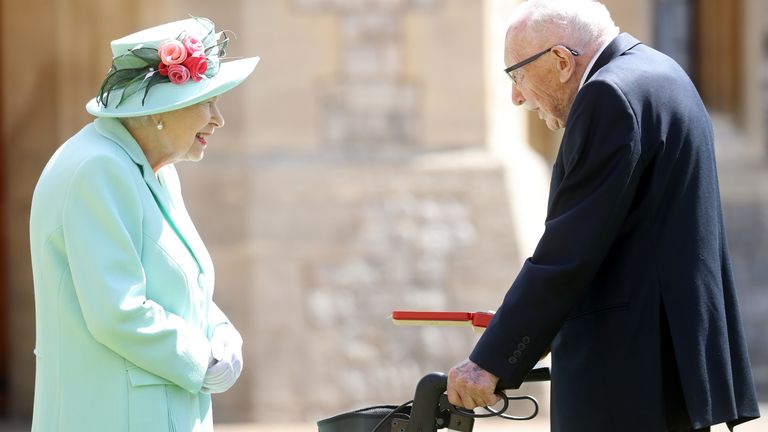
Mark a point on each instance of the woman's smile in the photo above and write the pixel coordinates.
(201, 139)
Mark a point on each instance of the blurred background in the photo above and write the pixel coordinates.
(372, 162)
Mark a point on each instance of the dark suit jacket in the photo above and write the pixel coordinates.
(631, 283)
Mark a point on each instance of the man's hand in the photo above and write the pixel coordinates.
(471, 386)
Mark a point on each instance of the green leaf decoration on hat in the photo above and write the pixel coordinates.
(132, 87)
(154, 79)
(148, 55)
(138, 69)
(116, 79)
(219, 47)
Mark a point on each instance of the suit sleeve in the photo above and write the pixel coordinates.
(102, 225)
(600, 154)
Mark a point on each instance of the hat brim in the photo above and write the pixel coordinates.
(169, 97)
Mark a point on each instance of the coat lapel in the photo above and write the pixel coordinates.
(618, 46)
(115, 131)
(621, 44)
(169, 179)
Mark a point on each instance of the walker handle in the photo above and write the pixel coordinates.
(431, 387)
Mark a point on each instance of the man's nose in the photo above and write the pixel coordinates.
(517, 96)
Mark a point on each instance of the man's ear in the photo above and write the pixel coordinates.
(566, 63)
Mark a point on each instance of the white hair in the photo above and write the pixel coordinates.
(585, 24)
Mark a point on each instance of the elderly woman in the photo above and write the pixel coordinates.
(128, 335)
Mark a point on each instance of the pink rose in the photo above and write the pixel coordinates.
(178, 74)
(197, 66)
(194, 47)
(172, 52)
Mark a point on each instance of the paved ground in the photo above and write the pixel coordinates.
(485, 426)
(537, 425)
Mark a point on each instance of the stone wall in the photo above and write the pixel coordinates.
(328, 251)
(353, 178)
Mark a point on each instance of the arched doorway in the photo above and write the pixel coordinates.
(718, 54)
(704, 37)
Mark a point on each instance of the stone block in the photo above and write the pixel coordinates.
(365, 59)
(371, 116)
(370, 25)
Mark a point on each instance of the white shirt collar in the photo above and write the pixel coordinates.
(592, 62)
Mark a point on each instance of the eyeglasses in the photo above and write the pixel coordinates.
(509, 71)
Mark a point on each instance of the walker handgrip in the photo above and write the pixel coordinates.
(536, 375)
(426, 402)
(432, 386)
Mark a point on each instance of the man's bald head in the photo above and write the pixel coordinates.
(555, 40)
(584, 25)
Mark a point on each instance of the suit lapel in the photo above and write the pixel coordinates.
(621, 44)
(115, 131)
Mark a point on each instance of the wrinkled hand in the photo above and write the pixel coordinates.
(471, 386)
(226, 360)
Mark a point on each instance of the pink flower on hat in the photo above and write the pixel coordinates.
(172, 52)
(175, 60)
(194, 47)
(162, 69)
(197, 66)
(178, 74)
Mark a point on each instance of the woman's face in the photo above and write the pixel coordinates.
(186, 131)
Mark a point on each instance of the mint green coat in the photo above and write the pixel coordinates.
(123, 292)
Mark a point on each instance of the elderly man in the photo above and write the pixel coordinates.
(630, 284)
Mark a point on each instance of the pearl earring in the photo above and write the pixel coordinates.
(160, 126)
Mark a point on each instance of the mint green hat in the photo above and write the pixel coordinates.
(140, 82)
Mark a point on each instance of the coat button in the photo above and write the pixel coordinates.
(521, 346)
(512, 360)
(517, 353)
(526, 339)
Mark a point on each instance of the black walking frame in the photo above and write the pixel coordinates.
(428, 411)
